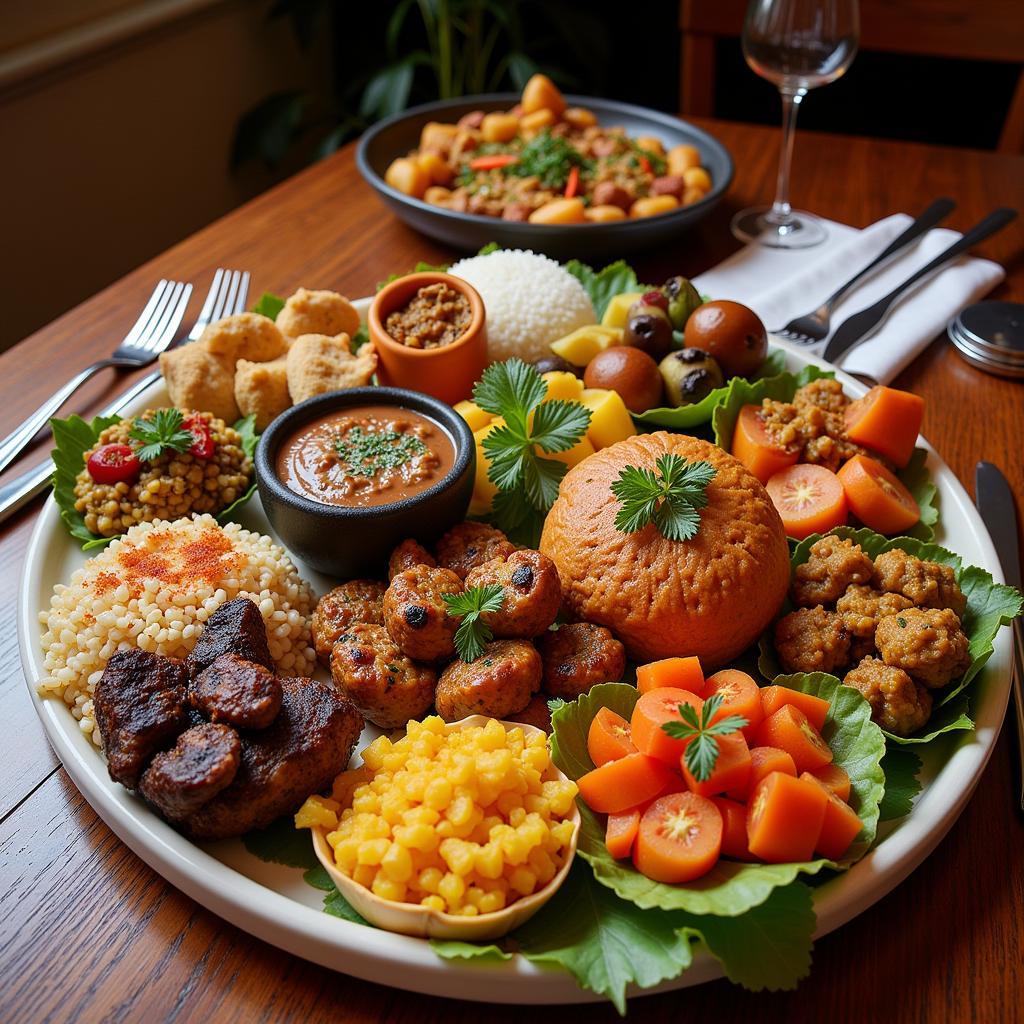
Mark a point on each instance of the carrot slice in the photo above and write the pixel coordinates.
(680, 838)
(887, 421)
(493, 162)
(809, 498)
(621, 831)
(775, 697)
(681, 673)
(752, 445)
(877, 497)
(834, 779)
(731, 771)
(784, 818)
(763, 761)
(652, 711)
(608, 738)
(734, 828)
(840, 826)
(624, 783)
(789, 729)
(740, 696)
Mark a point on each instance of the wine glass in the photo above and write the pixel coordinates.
(797, 45)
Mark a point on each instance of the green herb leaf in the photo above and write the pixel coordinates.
(549, 158)
(337, 906)
(269, 305)
(702, 751)
(602, 286)
(473, 633)
(511, 390)
(365, 453)
(901, 766)
(162, 432)
(672, 500)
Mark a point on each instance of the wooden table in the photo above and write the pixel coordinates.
(88, 932)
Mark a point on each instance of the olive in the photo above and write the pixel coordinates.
(649, 329)
(630, 372)
(732, 333)
(556, 364)
(683, 299)
(690, 374)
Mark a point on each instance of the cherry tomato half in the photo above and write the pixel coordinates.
(202, 444)
(809, 499)
(114, 464)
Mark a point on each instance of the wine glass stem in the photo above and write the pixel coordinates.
(781, 212)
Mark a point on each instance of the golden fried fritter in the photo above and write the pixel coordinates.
(812, 640)
(531, 593)
(927, 584)
(416, 615)
(499, 683)
(579, 655)
(927, 643)
(897, 702)
(833, 565)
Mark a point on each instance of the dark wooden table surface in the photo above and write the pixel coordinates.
(89, 933)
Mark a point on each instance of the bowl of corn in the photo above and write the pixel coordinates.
(452, 831)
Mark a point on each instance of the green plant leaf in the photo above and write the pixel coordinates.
(387, 92)
(337, 906)
(282, 843)
(603, 285)
(267, 130)
(269, 305)
(318, 878)
(901, 766)
(918, 481)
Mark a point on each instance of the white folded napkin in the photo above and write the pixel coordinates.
(779, 285)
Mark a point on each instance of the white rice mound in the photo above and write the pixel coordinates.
(154, 588)
(530, 301)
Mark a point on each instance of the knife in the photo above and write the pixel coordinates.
(861, 325)
(995, 505)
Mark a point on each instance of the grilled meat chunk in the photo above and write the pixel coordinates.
(234, 628)
(236, 691)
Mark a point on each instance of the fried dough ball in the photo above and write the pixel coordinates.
(416, 615)
(197, 379)
(861, 607)
(834, 564)
(579, 655)
(261, 390)
(386, 686)
(468, 545)
(317, 364)
(897, 702)
(812, 640)
(531, 593)
(499, 683)
(536, 713)
(342, 607)
(244, 336)
(317, 312)
(927, 584)
(927, 643)
(408, 554)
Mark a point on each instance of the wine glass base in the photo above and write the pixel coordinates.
(801, 231)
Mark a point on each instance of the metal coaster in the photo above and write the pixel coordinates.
(990, 335)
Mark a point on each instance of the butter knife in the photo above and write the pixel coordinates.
(995, 505)
(861, 325)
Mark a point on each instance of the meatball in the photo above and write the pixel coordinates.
(861, 607)
(416, 615)
(355, 601)
(531, 593)
(927, 584)
(897, 702)
(834, 564)
(408, 554)
(385, 685)
(468, 545)
(498, 683)
(927, 643)
(536, 713)
(577, 656)
(812, 640)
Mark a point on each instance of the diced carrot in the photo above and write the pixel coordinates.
(840, 826)
(652, 711)
(886, 421)
(755, 449)
(681, 673)
(775, 697)
(572, 184)
(834, 779)
(608, 738)
(789, 729)
(731, 771)
(680, 838)
(619, 785)
(740, 696)
(621, 831)
(809, 498)
(763, 761)
(493, 162)
(784, 818)
(877, 497)
(734, 828)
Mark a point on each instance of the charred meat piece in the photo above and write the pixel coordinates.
(234, 628)
(140, 704)
(203, 762)
(238, 692)
(308, 743)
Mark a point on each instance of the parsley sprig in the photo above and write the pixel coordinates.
(702, 750)
(671, 498)
(473, 633)
(163, 431)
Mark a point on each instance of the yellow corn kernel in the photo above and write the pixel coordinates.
(314, 813)
(364, 874)
(396, 863)
(429, 879)
(460, 810)
(346, 854)
(507, 802)
(474, 895)
(451, 888)
(434, 902)
(458, 855)
(523, 881)
(388, 888)
(365, 801)
(468, 911)
(445, 829)
(373, 755)
(420, 816)
(491, 902)
(517, 815)
(416, 837)
(562, 832)
(542, 865)
(488, 860)
(372, 851)
(515, 847)
(535, 804)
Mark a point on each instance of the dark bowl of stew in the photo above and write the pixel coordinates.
(346, 476)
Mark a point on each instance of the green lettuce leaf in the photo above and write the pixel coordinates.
(603, 285)
(731, 888)
(901, 766)
(269, 305)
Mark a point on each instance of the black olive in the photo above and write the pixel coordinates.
(415, 616)
(522, 577)
(694, 382)
(552, 363)
(690, 355)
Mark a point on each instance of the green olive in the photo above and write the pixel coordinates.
(683, 299)
(689, 375)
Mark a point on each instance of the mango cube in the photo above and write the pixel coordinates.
(483, 490)
(616, 314)
(584, 343)
(609, 418)
(476, 417)
(562, 385)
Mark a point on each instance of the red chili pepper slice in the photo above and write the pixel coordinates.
(114, 464)
(202, 443)
(645, 164)
(492, 163)
(572, 185)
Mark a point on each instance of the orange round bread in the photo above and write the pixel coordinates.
(710, 596)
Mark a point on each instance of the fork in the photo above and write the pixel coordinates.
(815, 326)
(152, 334)
(227, 295)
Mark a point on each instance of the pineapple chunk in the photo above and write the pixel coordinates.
(618, 309)
(476, 417)
(563, 385)
(584, 343)
(609, 418)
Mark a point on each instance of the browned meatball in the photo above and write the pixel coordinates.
(416, 615)
(536, 713)
(861, 607)
(927, 643)
(468, 545)
(532, 593)
(355, 601)
(833, 565)
(897, 702)
(927, 584)
(812, 640)
(578, 656)
(385, 685)
(498, 683)
(408, 554)
(607, 193)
